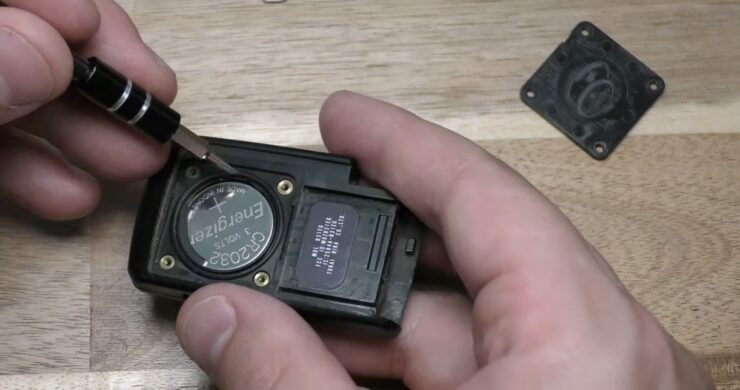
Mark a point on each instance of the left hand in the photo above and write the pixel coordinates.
(543, 309)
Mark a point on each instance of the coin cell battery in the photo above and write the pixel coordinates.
(229, 225)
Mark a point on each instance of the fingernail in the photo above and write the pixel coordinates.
(25, 77)
(158, 59)
(208, 327)
(80, 173)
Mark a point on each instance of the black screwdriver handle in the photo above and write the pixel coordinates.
(124, 99)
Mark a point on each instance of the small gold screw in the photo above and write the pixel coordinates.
(167, 262)
(261, 279)
(285, 187)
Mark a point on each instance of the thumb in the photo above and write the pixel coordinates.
(248, 340)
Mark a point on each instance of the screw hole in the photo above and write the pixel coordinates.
(600, 148)
(192, 172)
(655, 84)
(585, 32)
(531, 94)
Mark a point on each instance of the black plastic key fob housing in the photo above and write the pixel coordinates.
(295, 224)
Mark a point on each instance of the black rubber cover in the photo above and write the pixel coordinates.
(592, 90)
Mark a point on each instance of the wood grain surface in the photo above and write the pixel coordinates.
(664, 209)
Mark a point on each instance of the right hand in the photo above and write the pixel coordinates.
(45, 136)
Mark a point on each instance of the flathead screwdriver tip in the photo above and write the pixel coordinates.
(215, 159)
(199, 148)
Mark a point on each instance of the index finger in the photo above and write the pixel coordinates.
(491, 218)
(89, 136)
(75, 20)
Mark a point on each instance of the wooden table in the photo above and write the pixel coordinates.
(664, 209)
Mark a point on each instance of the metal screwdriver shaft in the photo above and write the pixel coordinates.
(137, 107)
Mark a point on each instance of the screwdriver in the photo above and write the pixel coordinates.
(106, 87)
(132, 104)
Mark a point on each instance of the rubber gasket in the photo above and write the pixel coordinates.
(592, 90)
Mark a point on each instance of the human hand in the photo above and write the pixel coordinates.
(45, 134)
(543, 309)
